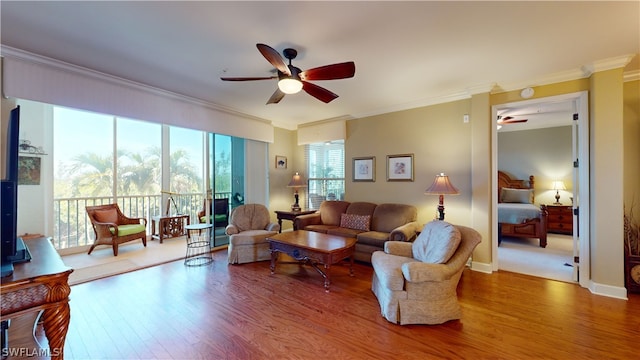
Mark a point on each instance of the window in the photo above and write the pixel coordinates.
(101, 159)
(325, 164)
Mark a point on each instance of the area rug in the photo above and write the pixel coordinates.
(131, 256)
(524, 256)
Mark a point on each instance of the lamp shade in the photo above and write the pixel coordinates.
(558, 185)
(290, 85)
(297, 181)
(441, 185)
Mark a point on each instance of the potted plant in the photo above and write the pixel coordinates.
(632, 251)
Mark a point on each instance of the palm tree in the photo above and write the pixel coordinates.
(91, 175)
(142, 175)
(184, 178)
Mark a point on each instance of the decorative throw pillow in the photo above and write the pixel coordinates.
(521, 196)
(437, 242)
(356, 222)
(106, 216)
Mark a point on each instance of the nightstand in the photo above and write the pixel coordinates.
(560, 219)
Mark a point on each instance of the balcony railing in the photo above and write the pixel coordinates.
(72, 227)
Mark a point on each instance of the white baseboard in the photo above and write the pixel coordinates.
(608, 290)
(481, 267)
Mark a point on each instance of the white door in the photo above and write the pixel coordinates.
(575, 200)
(581, 190)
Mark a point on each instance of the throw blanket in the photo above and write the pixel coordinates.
(513, 213)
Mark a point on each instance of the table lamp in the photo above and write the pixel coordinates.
(441, 186)
(296, 183)
(557, 186)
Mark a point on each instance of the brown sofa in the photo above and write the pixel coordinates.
(371, 224)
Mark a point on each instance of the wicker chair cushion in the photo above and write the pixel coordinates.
(124, 230)
(106, 216)
(216, 218)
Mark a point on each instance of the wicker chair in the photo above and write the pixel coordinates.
(218, 215)
(111, 227)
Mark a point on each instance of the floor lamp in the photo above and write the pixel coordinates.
(170, 201)
(441, 186)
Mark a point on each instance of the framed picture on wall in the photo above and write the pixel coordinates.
(364, 168)
(28, 170)
(281, 162)
(400, 167)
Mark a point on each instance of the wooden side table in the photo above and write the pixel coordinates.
(41, 284)
(168, 226)
(560, 219)
(291, 216)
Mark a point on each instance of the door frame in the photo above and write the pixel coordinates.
(581, 238)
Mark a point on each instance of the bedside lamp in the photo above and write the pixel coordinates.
(296, 183)
(441, 186)
(557, 186)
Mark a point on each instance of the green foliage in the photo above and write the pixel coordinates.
(91, 174)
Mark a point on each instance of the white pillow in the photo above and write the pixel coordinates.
(437, 242)
(521, 196)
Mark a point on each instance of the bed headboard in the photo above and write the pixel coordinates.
(504, 180)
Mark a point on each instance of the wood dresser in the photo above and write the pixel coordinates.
(560, 219)
(40, 285)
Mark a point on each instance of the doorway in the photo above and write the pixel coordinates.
(571, 112)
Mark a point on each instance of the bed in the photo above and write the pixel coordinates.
(517, 214)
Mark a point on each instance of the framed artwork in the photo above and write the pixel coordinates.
(400, 167)
(281, 162)
(364, 168)
(28, 170)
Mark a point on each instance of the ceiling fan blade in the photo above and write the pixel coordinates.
(248, 78)
(330, 72)
(274, 58)
(275, 97)
(318, 92)
(510, 120)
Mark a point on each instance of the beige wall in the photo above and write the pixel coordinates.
(280, 196)
(439, 142)
(631, 113)
(606, 177)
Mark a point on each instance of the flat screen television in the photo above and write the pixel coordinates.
(13, 248)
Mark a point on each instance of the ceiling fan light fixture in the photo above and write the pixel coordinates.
(290, 85)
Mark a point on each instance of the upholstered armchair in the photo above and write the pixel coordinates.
(218, 214)
(111, 227)
(248, 229)
(415, 283)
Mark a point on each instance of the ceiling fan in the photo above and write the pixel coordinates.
(291, 79)
(509, 120)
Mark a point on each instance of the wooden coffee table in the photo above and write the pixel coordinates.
(313, 248)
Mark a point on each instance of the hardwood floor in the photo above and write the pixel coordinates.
(242, 312)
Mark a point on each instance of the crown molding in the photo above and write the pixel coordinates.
(415, 104)
(631, 76)
(607, 64)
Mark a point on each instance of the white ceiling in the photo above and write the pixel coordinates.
(407, 54)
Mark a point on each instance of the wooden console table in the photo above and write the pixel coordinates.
(168, 226)
(291, 216)
(41, 284)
